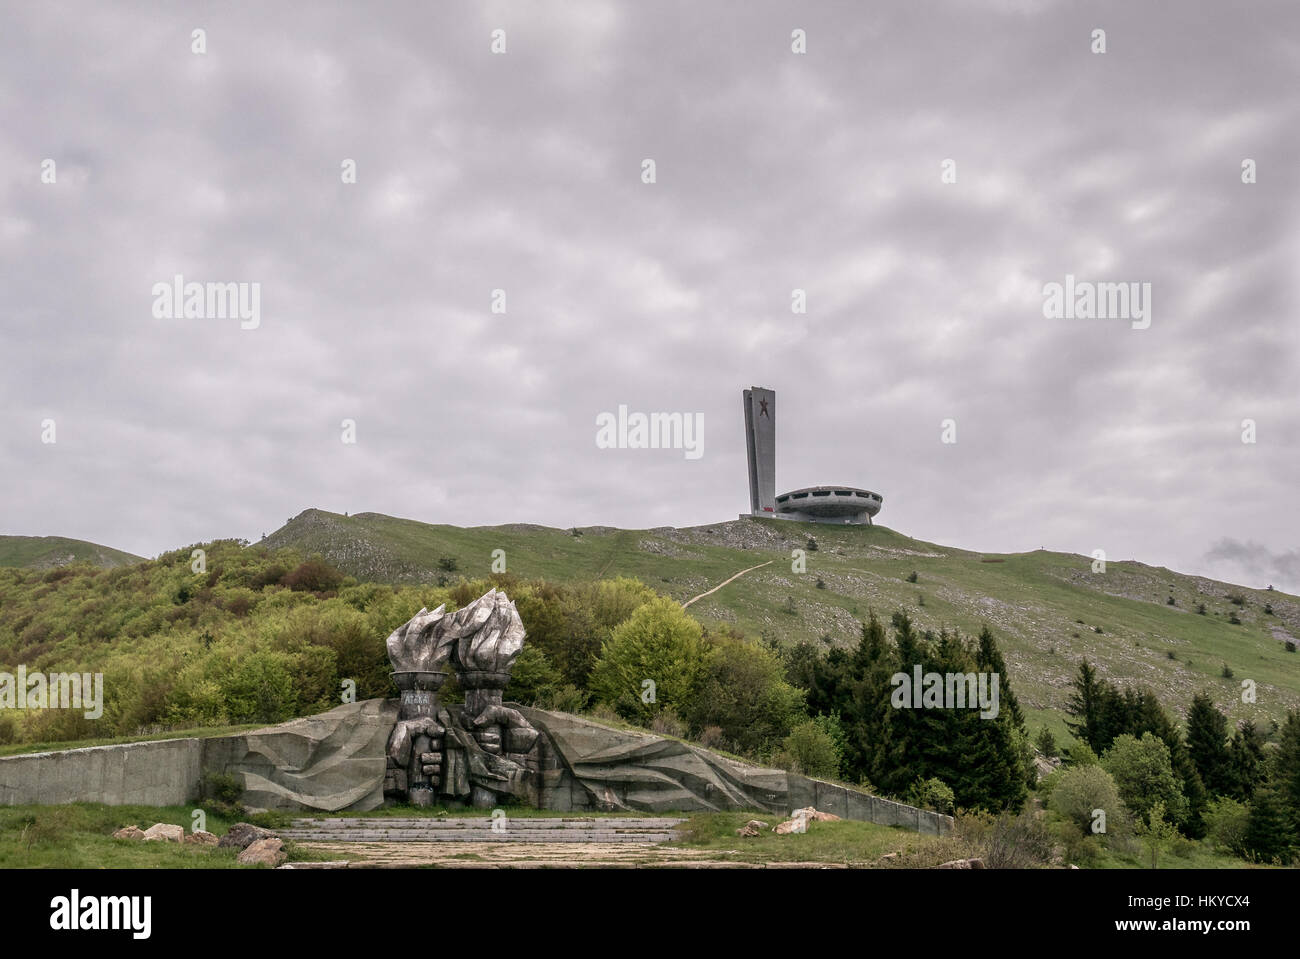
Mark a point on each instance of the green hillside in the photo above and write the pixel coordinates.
(1046, 608)
(45, 552)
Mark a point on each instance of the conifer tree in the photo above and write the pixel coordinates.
(1269, 834)
(1246, 760)
(1207, 743)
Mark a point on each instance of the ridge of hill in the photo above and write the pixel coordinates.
(1048, 609)
(46, 552)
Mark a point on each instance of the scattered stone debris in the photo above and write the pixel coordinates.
(800, 818)
(808, 812)
(164, 832)
(242, 835)
(263, 852)
(962, 864)
(201, 838)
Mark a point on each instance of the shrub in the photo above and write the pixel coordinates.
(1234, 619)
(821, 583)
(448, 564)
(1145, 777)
(221, 787)
(659, 643)
(666, 723)
(532, 678)
(1226, 821)
(933, 794)
(1082, 789)
(912, 577)
(1200, 609)
(711, 737)
(744, 692)
(811, 545)
(1226, 672)
(565, 699)
(1046, 743)
(1017, 842)
(810, 750)
(313, 576)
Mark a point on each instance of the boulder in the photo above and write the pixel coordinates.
(164, 832)
(812, 815)
(751, 828)
(962, 864)
(797, 824)
(263, 852)
(201, 838)
(242, 835)
(129, 832)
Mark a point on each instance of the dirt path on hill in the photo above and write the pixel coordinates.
(726, 581)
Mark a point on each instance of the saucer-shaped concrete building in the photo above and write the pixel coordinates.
(813, 504)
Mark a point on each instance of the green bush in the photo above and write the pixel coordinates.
(931, 794)
(744, 692)
(313, 576)
(1226, 822)
(811, 751)
(1144, 775)
(658, 644)
(1082, 789)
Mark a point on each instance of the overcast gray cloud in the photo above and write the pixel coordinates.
(775, 171)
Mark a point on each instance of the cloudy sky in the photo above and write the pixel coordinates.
(522, 171)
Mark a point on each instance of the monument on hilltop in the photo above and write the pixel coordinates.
(813, 504)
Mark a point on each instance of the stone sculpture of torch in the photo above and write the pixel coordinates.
(418, 651)
(489, 635)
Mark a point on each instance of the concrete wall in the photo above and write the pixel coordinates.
(348, 738)
(161, 773)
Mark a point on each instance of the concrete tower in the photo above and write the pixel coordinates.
(760, 442)
(813, 504)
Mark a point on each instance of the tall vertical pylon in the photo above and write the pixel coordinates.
(760, 442)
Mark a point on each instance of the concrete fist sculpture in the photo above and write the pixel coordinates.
(462, 753)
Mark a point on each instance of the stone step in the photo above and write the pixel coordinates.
(480, 821)
(647, 839)
(480, 829)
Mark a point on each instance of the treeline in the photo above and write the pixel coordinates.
(945, 758)
(1239, 789)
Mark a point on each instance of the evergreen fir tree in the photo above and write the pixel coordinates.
(1286, 769)
(1085, 705)
(1207, 743)
(1269, 834)
(1246, 761)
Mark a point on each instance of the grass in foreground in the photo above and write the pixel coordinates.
(79, 836)
(841, 843)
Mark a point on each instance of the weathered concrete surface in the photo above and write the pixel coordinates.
(603, 768)
(337, 760)
(160, 773)
(332, 761)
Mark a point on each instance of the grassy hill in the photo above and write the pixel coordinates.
(1048, 610)
(46, 552)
